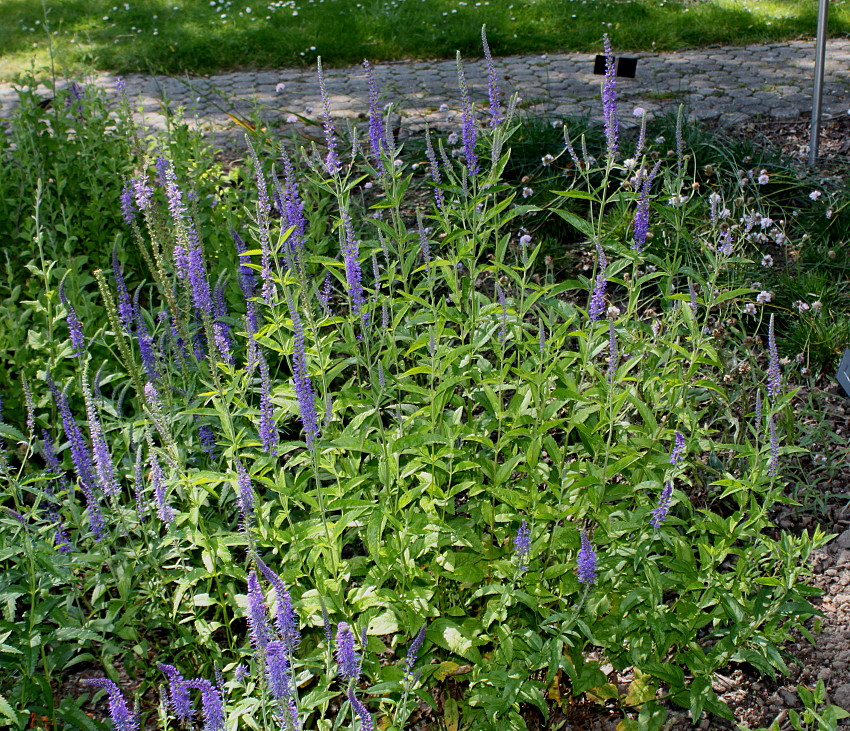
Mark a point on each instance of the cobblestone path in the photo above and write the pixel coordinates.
(723, 84)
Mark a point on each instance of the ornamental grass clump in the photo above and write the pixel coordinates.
(519, 478)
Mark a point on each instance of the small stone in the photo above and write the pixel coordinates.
(843, 541)
(841, 696)
(790, 699)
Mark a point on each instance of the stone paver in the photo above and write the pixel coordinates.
(726, 84)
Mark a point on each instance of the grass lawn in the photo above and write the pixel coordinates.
(203, 36)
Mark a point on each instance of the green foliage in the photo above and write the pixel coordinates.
(471, 394)
(816, 717)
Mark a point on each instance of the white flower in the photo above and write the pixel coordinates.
(725, 213)
(763, 297)
(613, 312)
(767, 260)
(524, 240)
(765, 222)
(659, 140)
(308, 109)
(676, 200)
(801, 306)
(629, 162)
(764, 178)
(749, 308)
(527, 192)
(547, 159)
(815, 194)
(444, 107)
(452, 138)
(397, 163)
(367, 185)
(281, 87)
(639, 111)
(556, 123)
(817, 306)
(714, 198)
(829, 213)
(291, 119)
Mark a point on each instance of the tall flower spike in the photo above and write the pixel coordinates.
(641, 219)
(773, 463)
(269, 436)
(596, 307)
(258, 624)
(353, 272)
(263, 212)
(641, 143)
(522, 545)
(125, 304)
(346, 657)
(758, 412)
(659, 512)
(331, 159)
(163, 509)
(424, 246)
(774, 378)
(122, 718)
(434, 170)
(278, 670)
(412, 653)
(469, 133)
(365, 718)
(82, 460)
(613, 355)
(586, 561)
(102, 458)
(146, 344)
(285, 618)
(293, 205)
(178, 692)
(139, 485)
(210, 703)
(678, 451)
(492, 83)
(128, 208)
(376, 122)
(245, 497)
(75, 327)
(303, 384)
(609, 100)
(503, 306)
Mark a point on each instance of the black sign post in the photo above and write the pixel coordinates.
(843, 374)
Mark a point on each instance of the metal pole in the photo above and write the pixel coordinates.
(817, 95)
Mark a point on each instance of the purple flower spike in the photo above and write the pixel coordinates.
(469, 133)
(128, 208)
(376, 123)
(522, 545)
(268, 432)
(277, 670)
(366, 721)
(412, 653)
(263, 212)
(434, 170)
(75, 327)
(613, 354)
(346, 657)
(331, 159)
(285, 618)
(125, 304)
(258, 624)
(210, 703)
(163, 509)
(496, 116)
(586, 561)
(659, 512)
(596, 307)
(245, 497)
(609, 100)
(424, 246)
(241, 672)
(678, 451)
(758, 412)
(353, 272)
(122, 718)
(774, 378)
(178, 692)
(503, 306)
(303, 383)
(142, 192)
(102, 458)
(773, 463)
(641, 220)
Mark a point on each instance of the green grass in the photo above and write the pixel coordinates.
(174, 36)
